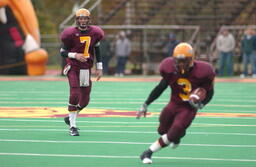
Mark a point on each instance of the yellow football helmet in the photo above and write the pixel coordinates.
(82, 18)
(184, 56)
(83, 12)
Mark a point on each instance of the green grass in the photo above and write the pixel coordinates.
(115, 142)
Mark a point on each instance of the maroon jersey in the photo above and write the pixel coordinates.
(83, 42)
(200, 75)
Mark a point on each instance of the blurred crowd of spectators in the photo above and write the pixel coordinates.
(226, 45)
(232, 50)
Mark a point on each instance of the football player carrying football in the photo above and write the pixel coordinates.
(79, 45)
(182, 74)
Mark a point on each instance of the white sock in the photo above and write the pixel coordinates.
(165, 139)
(156, 146)
(72, 118)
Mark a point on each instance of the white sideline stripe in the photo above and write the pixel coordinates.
(131, 132)
(117, 142)
(115, 122)
(125, 157)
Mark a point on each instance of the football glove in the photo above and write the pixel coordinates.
(197, 106)
(142, 111)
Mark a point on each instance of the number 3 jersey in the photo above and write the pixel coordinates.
(75, 40)
(200, 75)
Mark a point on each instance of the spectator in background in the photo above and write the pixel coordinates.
(248, 51)
(225, 45)
(105, 50)
(172, 43)
(122, 52)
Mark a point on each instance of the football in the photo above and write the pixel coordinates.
(197, 95)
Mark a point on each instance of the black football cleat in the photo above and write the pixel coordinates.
(146, 157)
(74, 131)
(66, 119)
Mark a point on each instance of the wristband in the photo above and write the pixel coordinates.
(99, 66)
(72, 55)
(195, 96)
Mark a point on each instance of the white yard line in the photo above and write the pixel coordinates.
(128, 132)
(123, 142)
(126, 157)
(117, 122)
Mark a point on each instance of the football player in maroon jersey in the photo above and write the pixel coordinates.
(182, 74)
(79, 46)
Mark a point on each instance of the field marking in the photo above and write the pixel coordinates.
(156, 110)
(126, 90)
(49, 112)
(61, 121)
(131, 79)
(129, 132)
(126, 157)
(144, 126)
(103, 93)
(123, 142)
(113, 103)
(159, 110)
(117, 99)
(127, 123)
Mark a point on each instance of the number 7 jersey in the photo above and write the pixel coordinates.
(200, 75)
(83, 42)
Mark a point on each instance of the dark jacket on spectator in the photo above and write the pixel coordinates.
(247, 44)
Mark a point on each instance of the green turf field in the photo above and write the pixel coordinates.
(227, 140)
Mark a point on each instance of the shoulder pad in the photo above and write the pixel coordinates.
(167, 66)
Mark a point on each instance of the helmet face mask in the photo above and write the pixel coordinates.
(183, 64)
(184, 56)
(82, 18)
(82, 22)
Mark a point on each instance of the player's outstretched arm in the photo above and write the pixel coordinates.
(155, 93)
